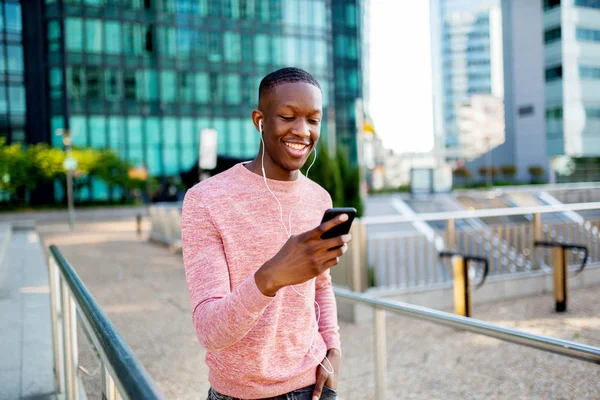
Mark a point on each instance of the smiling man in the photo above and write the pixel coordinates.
(256, 267)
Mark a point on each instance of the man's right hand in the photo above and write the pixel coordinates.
(302, 258)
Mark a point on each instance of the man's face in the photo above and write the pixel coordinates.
(292, 123)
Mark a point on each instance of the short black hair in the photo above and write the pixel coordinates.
(285, 75)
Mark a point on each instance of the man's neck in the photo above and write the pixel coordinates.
(272, 171)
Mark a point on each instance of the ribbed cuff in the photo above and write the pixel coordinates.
(251, 296)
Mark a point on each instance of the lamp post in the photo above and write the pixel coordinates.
(69, 164)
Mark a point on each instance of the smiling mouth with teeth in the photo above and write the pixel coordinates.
(296, 146)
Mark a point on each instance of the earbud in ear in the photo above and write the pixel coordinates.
(260, 125)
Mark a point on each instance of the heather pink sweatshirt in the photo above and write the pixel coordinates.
(258, 346)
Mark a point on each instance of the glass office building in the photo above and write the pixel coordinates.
(145, 77)
(467, 68)
(12, 78)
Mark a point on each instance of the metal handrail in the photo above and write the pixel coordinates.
(492, 212)
(546, 343)
(558, 346)
(123, 375)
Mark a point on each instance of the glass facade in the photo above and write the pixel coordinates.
(144, 77)
(12, 85)
(469, 66)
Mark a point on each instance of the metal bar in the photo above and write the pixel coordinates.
(130, 377)
(380, 353)
(109, 390)
(557, 346)
(494, 212)
(536, 234)
(56, 321)
(450, 234)
(70, 343)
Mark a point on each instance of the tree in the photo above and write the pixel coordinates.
(326, 173)
(17, 171)
(351, 182)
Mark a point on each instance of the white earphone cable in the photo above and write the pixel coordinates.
(289, 234)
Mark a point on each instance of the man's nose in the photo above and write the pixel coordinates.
(301, 129)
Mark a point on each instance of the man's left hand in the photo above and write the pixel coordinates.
(324, 377)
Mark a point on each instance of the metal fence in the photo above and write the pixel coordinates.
(72, 306)
(400, 261)
(379, 306)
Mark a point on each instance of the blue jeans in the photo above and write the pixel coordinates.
(299, 394)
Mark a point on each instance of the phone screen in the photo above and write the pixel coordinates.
(340, 229)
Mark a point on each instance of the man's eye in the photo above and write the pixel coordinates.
(314, 121)
(286, 118)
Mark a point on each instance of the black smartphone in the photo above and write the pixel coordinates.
(342, 228)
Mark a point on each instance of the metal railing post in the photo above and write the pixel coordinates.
(56, 321)
(462, 297)
(559, 264)
(536, 234)
(138, 224)
(359, 278)
(380, 353)
(70, 343)
(109, 389)
(450, 234)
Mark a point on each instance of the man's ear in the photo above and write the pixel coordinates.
(258, 119)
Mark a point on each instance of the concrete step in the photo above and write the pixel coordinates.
(26, 352)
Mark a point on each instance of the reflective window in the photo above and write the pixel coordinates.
(2, 59)
(587, 35)
(16, 95)
(151, 85)
(589, 72)
(94, 83)
(261, 49)
(55, 83)
(553, 73)
(53, 35)
(13, 17)
(186, 87)
(168, 80)
(233, 92)
(74, 38)
(98, 132)
(552, 35)
(351, 15)
(232, 47)
(202, 88)
(113, 81)
(113, 35)
(320, 14)
(15, 59)
(290, 51)
(93, 36)
(214, 46)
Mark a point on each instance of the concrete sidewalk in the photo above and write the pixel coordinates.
(25, 334)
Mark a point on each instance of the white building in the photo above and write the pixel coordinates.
(572, 74)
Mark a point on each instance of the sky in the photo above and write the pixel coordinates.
(401, 103)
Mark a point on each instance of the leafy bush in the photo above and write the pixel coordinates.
(462, 172)
(485, 171)
(508, 171)
(23, 169)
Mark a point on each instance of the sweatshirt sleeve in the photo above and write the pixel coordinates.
(221, 317)
(328, 326)
(328, 323)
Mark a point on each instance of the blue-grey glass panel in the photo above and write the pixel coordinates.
(16, 95)
(13, 17)
(74, 37)
(202, 87)
(169, 132)
(168, 81)
(134, 133)
(93, 36)
(98, 132)
(187, 132)
(113, 35)
(78, 125)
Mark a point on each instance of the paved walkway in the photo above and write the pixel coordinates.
(25, 334)
(142, 289)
